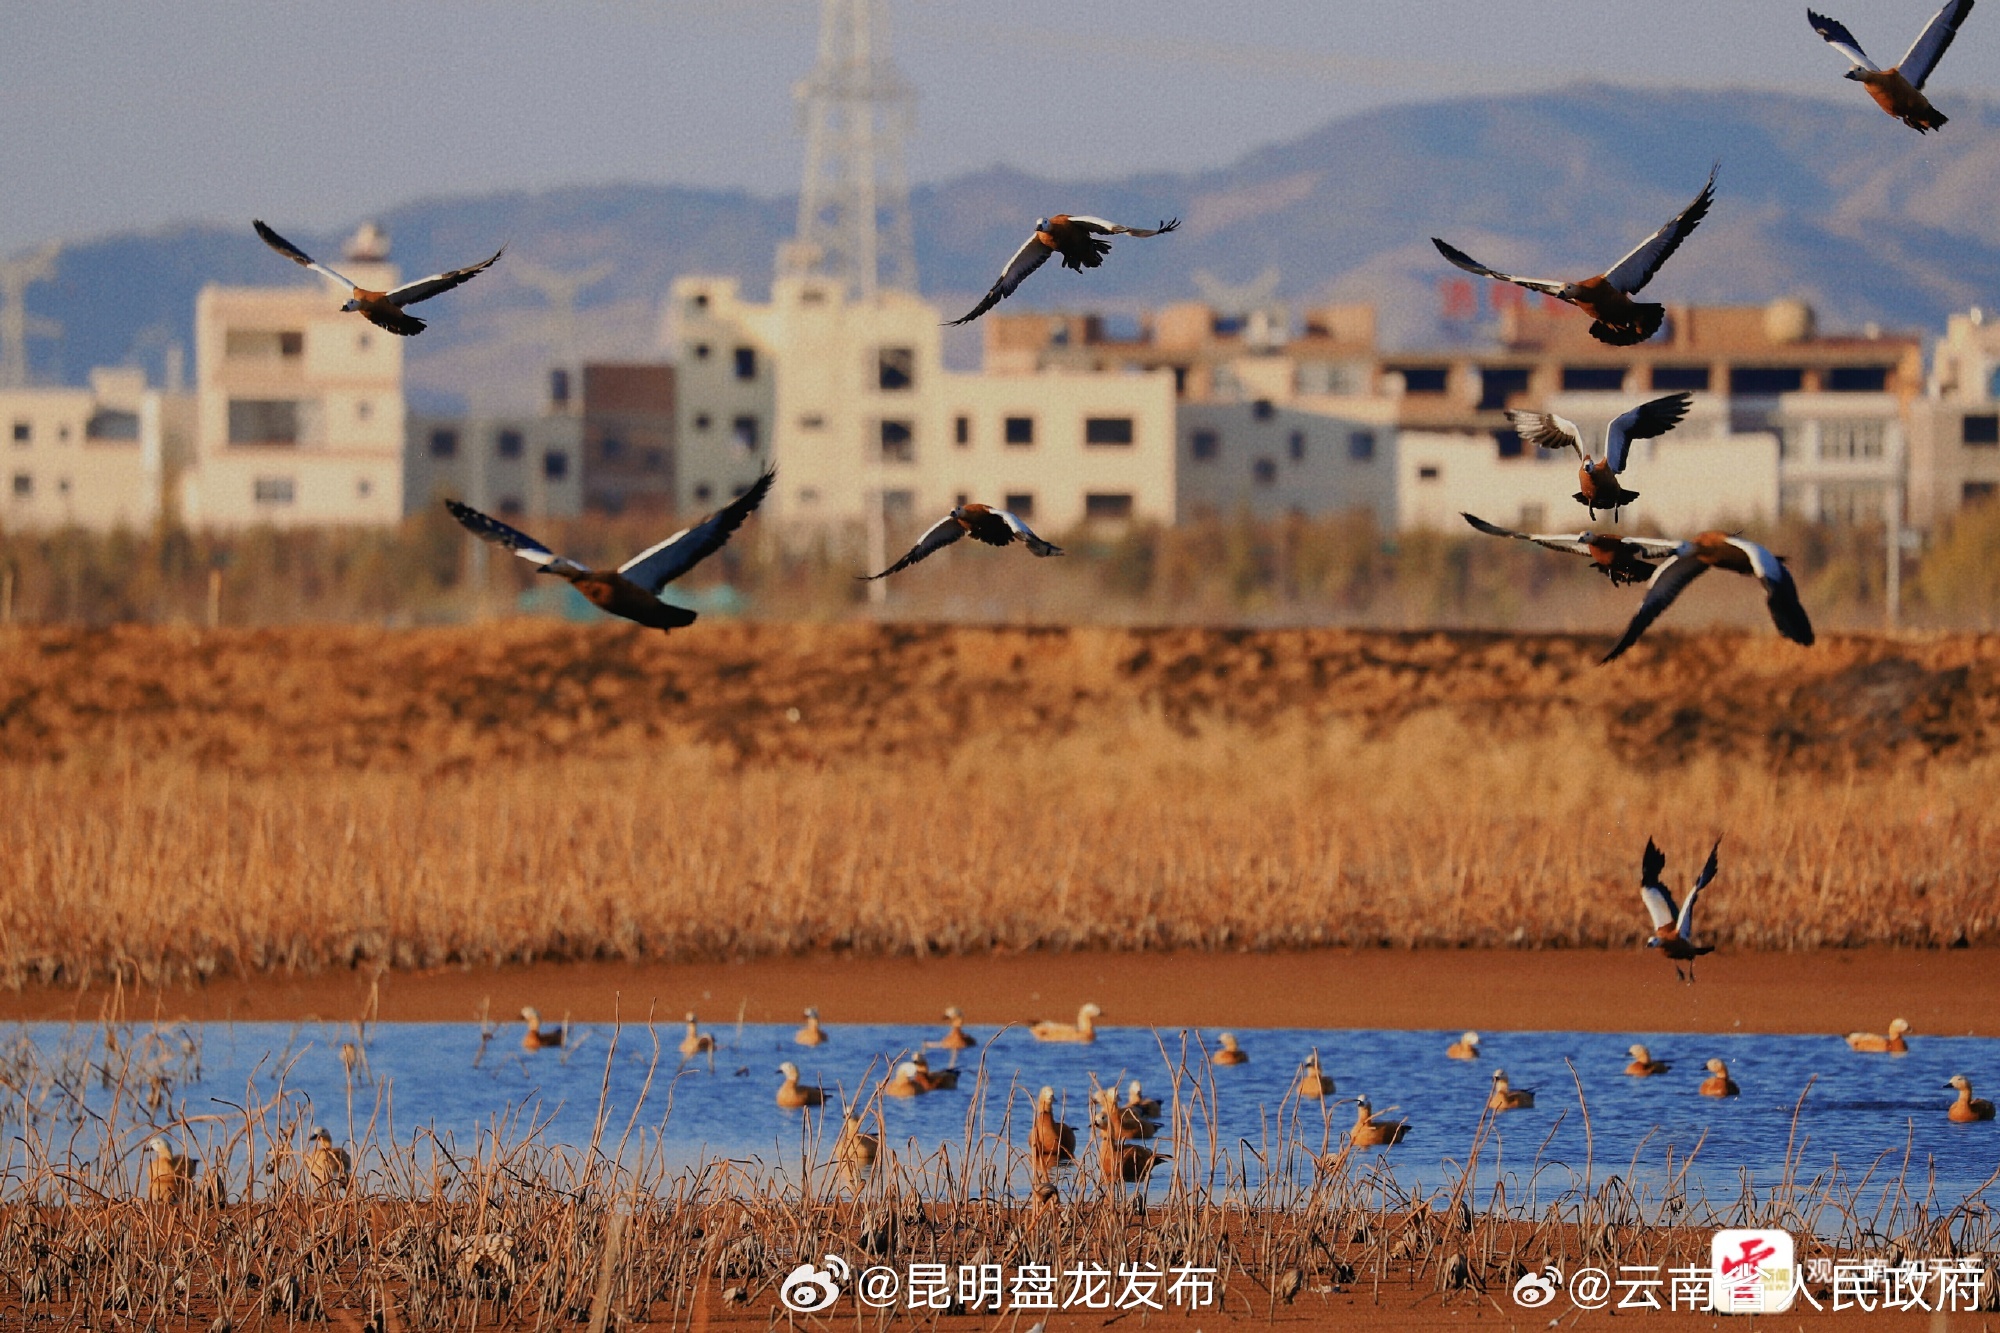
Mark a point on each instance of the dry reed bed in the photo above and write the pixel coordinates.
(185, 806)
(511, 1232)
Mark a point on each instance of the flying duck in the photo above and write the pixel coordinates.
(1718, 550)
(1618, 319)
(1623, 560)
(633, 589)
(382, 309)
(1718, 1083)
(1899, 91)
(1071, 235)
(1877, 1043)
(1598, 477)
(1673, 929)
(995, 527)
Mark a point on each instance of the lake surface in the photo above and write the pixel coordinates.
(444, 1079)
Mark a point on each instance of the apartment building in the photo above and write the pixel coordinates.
(99, 457)
(1955, 451)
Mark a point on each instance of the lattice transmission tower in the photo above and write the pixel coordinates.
(854, 204)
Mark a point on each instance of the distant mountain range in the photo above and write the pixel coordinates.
(1828, 200)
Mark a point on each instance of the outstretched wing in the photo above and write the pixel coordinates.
(1103, 228)
(657, 566)
(1685, 921)
(1027, 536)
(1643, 423)
(423, 289)
(1579, 544)
(1781, 594)
(1025, 261)
(1840, 39)
(296, 255)
(1635, 270)
(1546, 430)
(1471, 265)
(520, 543)
(942, 534)
(1932, 42)
(1661, 589)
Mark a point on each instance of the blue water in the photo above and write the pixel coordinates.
(438, 1077)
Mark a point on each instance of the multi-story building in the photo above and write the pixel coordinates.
(629, 436)
(516, 467)
(1955, 451)
(299, 407)
(101, 457)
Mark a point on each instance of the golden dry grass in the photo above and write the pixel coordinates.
(175, 805)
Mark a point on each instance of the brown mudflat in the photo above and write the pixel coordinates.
(1947, 991)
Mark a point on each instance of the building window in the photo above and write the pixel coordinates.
(1593, 379)
(699, 301)
(1692, 379)
(899, 442)
(555, 465)
(559, 388)
(1206, 446)
(106, 424)
(1532, 516)
(1263, 409)
(1974, 492)
(1180, 381)
(961, 431)
(511, 506)
(1428, 472)
(364, 410)
(746, 363)
(1021, 504)
(1107, 504)
(1982, 428)
(1295, 446)
(743, 430)
(701, 351)
(611, 448)
(812, 421)
(1508, 443)
(702, 492)
(272, 490)
(363, 487)
(263, 421)
(1850, 440)
(263, 344)
(1020, 430)
(701, 421)
(23, 432)
(1498, 384)
(1107, 430)
(444, 443)
(1361, 446)
(509, 444)
(895, 369)
(24, 485)
(1857, 379)
(898, 507)
(654, 460)
(1265, 471)
(1422, 379)
(812, 296)
(1765, 381)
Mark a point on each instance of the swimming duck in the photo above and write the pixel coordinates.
(792, 1094)
(537, 1037)
(1505, 1097)
(1313, 1081)
(1718, 1083)
(1084, 1029)
(1643, 1064)
(1369, 1132)
(955, 1038)
(1229, 1052)
(1877, 1043)
(1968, 1109)
(1465, 1048)
(810, 1034)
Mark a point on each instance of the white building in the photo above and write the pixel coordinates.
(93, 458)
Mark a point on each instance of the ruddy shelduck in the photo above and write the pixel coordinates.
(170, 1175)
(1607, 297)
(1119, 1160)
(385, 310)
(1049, 1140)
(1370, 1131)
(905, 1082)
(792, 1094)
(933, 1080)
(1131, 1123)
(1968, 1108)
(1506, 1097)
(1228, 1052)
(1875, 1042)
(695, 1041)
(983, 523)
(1465, 1048)
(1598, 477)
(1623, 560)
(328, 1167)
(1899, 91)
(1643, 1064)
(1136, 1101)
(810, 1034)
(631, 591)
(1083, 1030)
(537, 1037)
(1074, 236)
(1673, 930)
(1313, 1081)
(955, 1038)
(854, 1150)
(1718, 1083)
(1719, 550)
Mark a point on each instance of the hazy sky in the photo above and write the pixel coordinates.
(117, 115)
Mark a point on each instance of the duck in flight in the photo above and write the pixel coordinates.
(1607, 297)
(1673, 928)
(1623, 560)
(1598, 477)
(1900, 90)
(382, 309)
(1073, 236)
(633, 589)
(1718, 550)
(995, 527)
